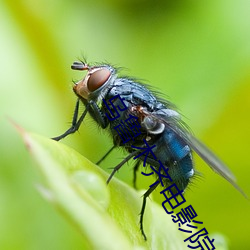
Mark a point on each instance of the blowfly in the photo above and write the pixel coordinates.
(124, 104)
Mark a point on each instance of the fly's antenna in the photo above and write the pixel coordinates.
(80, 66)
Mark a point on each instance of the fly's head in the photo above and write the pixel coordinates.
(95, 80)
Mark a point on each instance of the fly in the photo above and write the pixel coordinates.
(160, 125)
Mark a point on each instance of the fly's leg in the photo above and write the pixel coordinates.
(145, 196)
(75, 124)
(97, 114)
(120, 165)
(92, 108)
(137, 164)
(105, 155)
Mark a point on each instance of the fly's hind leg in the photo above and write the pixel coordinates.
(145, 196)
(116, 168)
(136, 167)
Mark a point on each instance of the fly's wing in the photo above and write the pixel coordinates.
(174, 123)
(212, 160)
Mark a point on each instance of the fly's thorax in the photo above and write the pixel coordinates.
(93, 85)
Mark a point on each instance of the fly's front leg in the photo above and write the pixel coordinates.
(75, 124)
(97, 114)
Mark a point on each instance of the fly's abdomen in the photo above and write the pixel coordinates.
(175, 154)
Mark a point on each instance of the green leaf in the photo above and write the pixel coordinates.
(106, 215)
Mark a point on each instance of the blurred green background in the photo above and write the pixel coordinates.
(195, 52)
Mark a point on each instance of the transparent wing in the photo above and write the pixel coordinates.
(175, 124)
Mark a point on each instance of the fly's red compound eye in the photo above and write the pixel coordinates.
(97, 79)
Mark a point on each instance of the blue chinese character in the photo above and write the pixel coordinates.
(185, 215)
(199, 246)
(210, 241)
(174, 194)
(189, 225)
(160, 172)
(130, 130)
(133, 125)
(113, 110)
(146, 150)
(206, 240)
(197, 234)
(123, 132)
